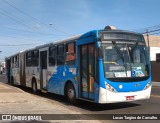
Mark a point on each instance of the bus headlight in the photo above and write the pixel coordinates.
(147, 86)
(109, 87)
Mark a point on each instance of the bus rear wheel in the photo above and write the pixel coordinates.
(71, 94)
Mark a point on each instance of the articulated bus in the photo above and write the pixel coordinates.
(102, 66)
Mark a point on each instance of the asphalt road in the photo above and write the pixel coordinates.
(150, 106)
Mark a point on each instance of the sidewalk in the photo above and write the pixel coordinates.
(18, 101)
(155, 83)
(13, 100)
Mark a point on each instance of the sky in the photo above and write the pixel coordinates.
(28, 23)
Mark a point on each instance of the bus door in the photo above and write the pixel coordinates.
(87, 70)
(43, 69)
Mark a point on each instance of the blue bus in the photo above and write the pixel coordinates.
(101, 66)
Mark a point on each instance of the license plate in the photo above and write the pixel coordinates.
(130, 98)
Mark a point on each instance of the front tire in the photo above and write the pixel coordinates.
(71, 94)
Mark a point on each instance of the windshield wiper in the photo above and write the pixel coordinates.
(118, 50)
(131, 50)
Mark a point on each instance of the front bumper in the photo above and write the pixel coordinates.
(106, 96)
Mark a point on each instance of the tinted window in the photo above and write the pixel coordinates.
(28, 59)
(70, 53)
(52, 56)
(32, 58)
(35, 58)
(17, 61)
(12, 62)
(60, 55)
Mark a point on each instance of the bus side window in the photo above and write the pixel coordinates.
(17, 61)
(70, 53)
(35, 58)
(12, 62)
(28, 59)
(60, 54)
(52, 56)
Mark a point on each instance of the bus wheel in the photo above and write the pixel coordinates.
(34, 87)
(71, 94)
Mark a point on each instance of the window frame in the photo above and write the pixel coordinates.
(32, 60)
(16, 61)
(28, 59)
(12, 62)
(60, 55)
(35, 58)
(70, 62)
(52, 55)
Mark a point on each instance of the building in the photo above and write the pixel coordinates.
(2, 67)
(154, 47)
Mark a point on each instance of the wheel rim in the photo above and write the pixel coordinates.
(71, 93)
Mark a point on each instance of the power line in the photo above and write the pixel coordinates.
(14, 19)
(62, 31)
(149, 30)
(20, 38)
(155, 33)
(149, 27)
(20, 21)
(26, 31)
(19, 29)
(15, 44)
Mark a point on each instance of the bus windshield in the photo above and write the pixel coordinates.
(125, 59)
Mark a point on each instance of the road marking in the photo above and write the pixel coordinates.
(155, 96)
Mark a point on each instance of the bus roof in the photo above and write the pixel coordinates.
(15, 54)
(121, 31)
(76, 37)
(54, 42)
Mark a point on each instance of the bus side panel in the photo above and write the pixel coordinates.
(69, 75)
(16, 76)
(28, 76)
(32, 72)
(59, 76)
(15, 71)
(53, 83)
(22, 69)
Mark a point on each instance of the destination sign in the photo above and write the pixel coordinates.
(118, 36)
